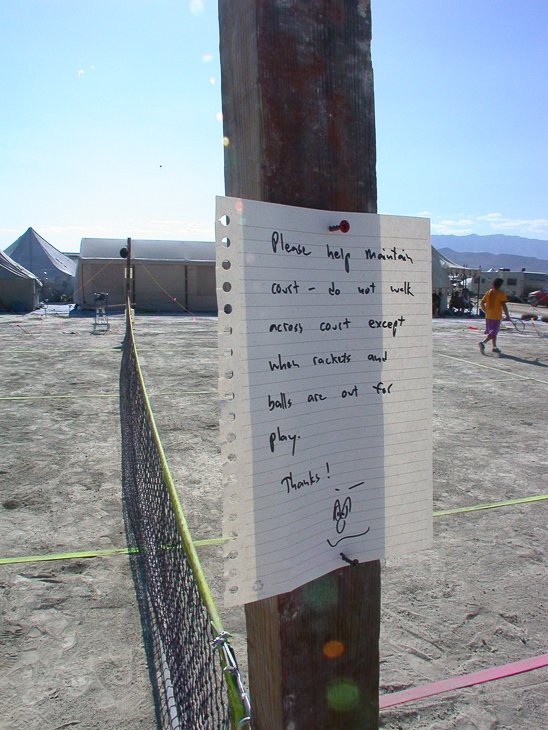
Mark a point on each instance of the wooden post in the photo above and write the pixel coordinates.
(299, 127)
(129, 297)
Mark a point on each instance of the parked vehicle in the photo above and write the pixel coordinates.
(517, 284)
(538, 297)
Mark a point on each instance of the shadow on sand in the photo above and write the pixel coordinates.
(524, 360)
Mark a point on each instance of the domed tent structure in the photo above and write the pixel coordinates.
(19, 288)
(55, 270)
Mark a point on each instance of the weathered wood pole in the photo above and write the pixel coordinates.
(299, 127)
(129, 271)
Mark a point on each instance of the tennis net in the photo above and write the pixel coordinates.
(193, 671)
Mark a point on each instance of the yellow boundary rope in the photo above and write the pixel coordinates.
(91, 278)
(109, 350)
(179, 515)
(96, 553)
(235, 701)
(223, 540)
(99, 395)
(490, 367)
(491, 505)
(55, 397)
(173, 299)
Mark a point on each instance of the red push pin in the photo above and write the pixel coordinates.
(344, 227)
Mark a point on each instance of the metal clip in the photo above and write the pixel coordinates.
(220, 640)
(231, 667)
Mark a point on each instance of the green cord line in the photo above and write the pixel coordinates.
(492, 505)
(58, 397)
(498, 370)
(68, 556)
(99, 395)
(109, 350)
(235, 701)
(97, 553)
(222, 540)
(179, 515)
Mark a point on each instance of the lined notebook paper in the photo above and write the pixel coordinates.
(325, 381)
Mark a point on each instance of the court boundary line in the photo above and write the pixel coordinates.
(460, 682)
(222, 540)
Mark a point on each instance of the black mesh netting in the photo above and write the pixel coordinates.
(186, 672)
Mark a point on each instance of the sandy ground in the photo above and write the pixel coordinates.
(71, 652)
(478, 599)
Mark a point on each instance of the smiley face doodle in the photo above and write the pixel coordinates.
(341, 513)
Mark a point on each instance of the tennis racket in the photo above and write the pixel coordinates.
(519, 324)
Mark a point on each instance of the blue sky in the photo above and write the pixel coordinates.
(110, 117)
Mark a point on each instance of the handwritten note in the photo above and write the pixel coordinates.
(325, 381)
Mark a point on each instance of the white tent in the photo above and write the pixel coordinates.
(441, 280)
(445, 271)
(168, 276)
(444, 275)
(54, 269)
(19, 288)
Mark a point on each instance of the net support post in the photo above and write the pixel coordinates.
(129, 272)
(299, 128)
(125, 253)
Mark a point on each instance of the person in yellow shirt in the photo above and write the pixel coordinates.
(493, 304)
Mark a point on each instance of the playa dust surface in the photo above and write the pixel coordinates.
(71, 650)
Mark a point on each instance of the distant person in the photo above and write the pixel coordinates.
(493, 303)
(456, 302)
(436, 302)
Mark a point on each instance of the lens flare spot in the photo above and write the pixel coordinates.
(333, 649)
(219, 116)
(239, 206)
(343, 695)
(212, 79)
(321, 595)
(207, 58)
(226, 141)
(196, 7)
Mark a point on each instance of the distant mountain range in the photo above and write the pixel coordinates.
(497, 243)
(495, 252)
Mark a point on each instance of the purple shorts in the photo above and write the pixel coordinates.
(492, 326)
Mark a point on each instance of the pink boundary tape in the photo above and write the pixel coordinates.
(466, 680)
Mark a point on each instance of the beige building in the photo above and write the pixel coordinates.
(168, 276)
